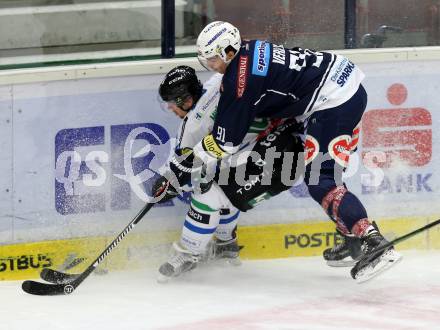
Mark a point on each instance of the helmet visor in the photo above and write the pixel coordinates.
(167, 103)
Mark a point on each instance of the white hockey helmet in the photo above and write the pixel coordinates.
(215, 39)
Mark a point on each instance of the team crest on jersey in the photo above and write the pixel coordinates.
(242, 75)
(339, 149)
(261, 58)
(311, 149)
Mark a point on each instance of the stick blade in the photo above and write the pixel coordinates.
(44, 289)
(54, 276)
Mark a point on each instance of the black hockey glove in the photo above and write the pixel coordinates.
(188, 169)
(182, 166)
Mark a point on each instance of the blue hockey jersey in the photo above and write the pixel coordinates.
(265, 80)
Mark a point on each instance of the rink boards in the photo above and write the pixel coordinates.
(24, 261)
(80, 145)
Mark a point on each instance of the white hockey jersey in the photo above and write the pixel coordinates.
(200, 119)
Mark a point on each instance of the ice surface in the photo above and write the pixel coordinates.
(297, 293)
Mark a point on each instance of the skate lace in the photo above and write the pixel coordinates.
(180, 259)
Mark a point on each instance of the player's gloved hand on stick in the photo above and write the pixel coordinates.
(181, 168)
(163, 187)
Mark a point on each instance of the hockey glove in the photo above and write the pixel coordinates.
(162, 187)
(182, 166)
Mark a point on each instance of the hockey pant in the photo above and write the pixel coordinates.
(284, 140)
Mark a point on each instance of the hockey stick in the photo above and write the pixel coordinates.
(56, 276)
(67, 286)
(373, 255)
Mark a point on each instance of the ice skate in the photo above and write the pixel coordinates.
(180, 262)
(344, 254)
(375, 261)
(229, 250)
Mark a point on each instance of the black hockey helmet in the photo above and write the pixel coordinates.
(180, 83)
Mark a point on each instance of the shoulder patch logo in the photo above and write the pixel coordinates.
(260, 64)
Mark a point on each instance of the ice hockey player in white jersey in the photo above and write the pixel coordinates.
(214, 209)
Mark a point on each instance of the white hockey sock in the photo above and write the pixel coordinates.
(228, 222)
(200, 224)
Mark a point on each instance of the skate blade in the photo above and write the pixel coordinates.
(387, 260)
(341, 263)
(225, 261)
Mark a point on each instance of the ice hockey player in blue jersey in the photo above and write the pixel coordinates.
(321, 90)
